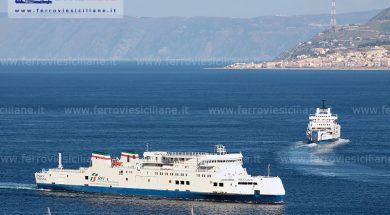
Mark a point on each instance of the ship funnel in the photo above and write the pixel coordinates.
(128, 156)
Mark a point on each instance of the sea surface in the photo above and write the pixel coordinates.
(75, 110)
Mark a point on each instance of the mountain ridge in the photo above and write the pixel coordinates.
(201, 38)
(381, 22)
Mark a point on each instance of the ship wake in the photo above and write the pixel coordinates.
(325, 160)
(17, 186)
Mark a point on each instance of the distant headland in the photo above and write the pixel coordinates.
(340, 47)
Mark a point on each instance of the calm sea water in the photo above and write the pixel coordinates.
(263, 114)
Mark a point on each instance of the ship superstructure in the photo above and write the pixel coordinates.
(216, 176)
(323, 126)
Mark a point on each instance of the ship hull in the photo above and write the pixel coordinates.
(321, 137)
(259, 199)
(324, 142)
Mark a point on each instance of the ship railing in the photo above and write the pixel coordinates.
(187, 162)
(265, 176)
(69, 170)
(205, 170)
(185, 154)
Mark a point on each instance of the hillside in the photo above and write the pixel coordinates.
(261, 38)
(365, 46)
(381, 22)
(376, 32)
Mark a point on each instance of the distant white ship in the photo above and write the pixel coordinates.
(179, 175)
(323, 126)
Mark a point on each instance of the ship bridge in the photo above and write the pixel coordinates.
(220, 157)
(323, 113)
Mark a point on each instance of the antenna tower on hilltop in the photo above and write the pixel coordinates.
(333, 21)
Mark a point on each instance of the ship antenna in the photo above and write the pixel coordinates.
(60, 161)
(147, 147)
(323, 104)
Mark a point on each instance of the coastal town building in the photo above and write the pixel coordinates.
(369, 57)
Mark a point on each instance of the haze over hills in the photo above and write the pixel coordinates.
(200, 38)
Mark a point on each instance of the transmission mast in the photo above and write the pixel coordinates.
(333, 21)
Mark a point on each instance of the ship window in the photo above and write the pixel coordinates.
(127, 179)
(148, 180)
(182, 182)
(215, 184)
(177, 182)
(170, 181)
(187, 183)
(121, 172)
(86, 177)
(221, 184)
(247, 183)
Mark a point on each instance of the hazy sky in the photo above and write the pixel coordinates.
(245, 8)
(240, 8)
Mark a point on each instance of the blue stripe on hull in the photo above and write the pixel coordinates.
(277, 199)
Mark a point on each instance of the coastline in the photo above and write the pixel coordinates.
(385, 69)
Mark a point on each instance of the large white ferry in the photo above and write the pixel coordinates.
(217, 176)
(323, 126)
